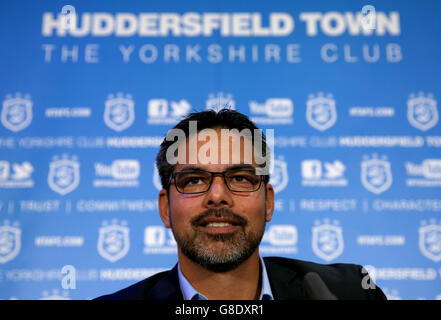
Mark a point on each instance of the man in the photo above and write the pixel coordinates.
(217, 199)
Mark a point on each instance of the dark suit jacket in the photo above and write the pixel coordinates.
(285, 277)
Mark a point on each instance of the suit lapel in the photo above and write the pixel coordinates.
(167, 288)
(286, 284)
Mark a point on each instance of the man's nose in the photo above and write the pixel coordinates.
(218, 194)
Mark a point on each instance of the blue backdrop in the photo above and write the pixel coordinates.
(90, 88)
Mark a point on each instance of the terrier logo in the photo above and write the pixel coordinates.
(430, 240)
(321, 113)
(64, 174)
(113, 240)
(119, 112)
(422, 112)
(327, 240)
(376, 175)
(279, 176)
(220, 101)
(10, 241)
(16, 112)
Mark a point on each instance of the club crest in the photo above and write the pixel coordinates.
(119, 112)
(321, 112)
(430, 240)
(279, 175)
(113, 241)
(376, 174)
(327, 240)
(64, 174)
(16, 112)
(422, 112)
(10, 241)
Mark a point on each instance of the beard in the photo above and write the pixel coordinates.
(219, 252)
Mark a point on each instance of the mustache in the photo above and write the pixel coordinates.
(219, 213)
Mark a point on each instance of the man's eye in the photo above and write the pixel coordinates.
(241, 179)
(194, 181)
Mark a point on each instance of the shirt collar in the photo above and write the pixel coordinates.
(189, 293)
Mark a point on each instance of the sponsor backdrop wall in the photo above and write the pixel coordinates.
(352, 94)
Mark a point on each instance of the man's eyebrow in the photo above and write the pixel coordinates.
(188, 168)
(241, 166)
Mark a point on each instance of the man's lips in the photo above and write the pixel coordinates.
(219, 222)
(219, 228)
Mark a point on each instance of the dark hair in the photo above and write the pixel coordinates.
(224, 118)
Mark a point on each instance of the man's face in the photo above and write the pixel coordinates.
(218, 229)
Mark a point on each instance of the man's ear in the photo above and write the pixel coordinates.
(269, 202)
(164, 208)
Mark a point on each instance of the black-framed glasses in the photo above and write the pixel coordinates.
(192, 181)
